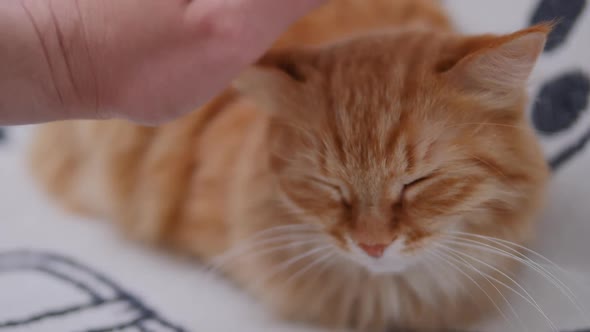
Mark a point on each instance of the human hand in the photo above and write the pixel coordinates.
(143, 60)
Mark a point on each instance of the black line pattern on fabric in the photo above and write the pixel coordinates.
(570, 152)
(560, 102)
(52, 265)
(52, 313)
(95, 297)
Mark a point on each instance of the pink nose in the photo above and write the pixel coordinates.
(373, 250)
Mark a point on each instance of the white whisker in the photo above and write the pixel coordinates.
(288, 263)
(523, 259)
(527, 297)
(440, 255)
(217, 265)
(449, 276)
(519, 257)
(288, 230)
(251, 244)
(489, 279)
(311, 265)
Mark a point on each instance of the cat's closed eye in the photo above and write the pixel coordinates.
(337, 191)
(409, 185)
(417, 181)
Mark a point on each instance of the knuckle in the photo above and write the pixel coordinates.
(226, 33)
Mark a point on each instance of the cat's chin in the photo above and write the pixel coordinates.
(377, 268)
(384, 266)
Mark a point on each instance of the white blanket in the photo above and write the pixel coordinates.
(60, 273)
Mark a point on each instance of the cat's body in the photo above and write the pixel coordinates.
(324, 148)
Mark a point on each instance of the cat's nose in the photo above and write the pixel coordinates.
(373, 250)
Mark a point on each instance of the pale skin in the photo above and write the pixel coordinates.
(148, 61)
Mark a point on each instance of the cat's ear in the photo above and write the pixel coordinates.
(497, 65)
(278, 79)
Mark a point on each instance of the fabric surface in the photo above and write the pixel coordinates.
(64, 273)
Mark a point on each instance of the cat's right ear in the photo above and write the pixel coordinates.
(277, 80)
(496, 67)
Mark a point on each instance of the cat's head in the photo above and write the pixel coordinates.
(393, 141)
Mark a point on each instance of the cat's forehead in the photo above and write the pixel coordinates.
(381, 55)
(387, 74)
(382, 84)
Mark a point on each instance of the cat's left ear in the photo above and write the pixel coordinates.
(278, 79)
(498, 65)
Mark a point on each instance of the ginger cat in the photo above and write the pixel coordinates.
(350, 177)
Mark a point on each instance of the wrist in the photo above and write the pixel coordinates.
(42, 76)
